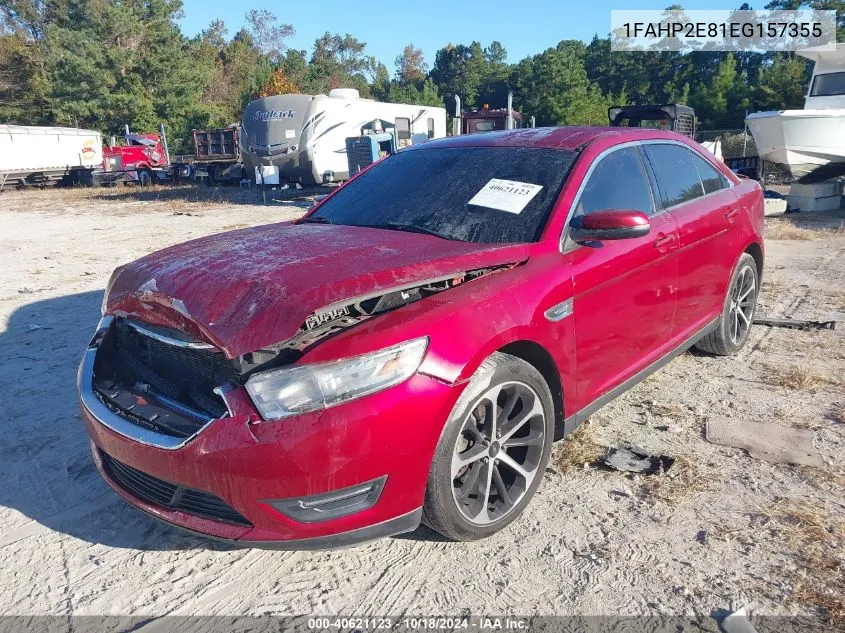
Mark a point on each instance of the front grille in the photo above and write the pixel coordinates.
(164, 494)
(184, 374)
(163, 387)
(685, 125)
(359, 153)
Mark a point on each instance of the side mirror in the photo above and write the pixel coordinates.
(609, 224)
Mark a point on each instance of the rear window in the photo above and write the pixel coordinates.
(676, 173)
(712, 179)
(471, 194)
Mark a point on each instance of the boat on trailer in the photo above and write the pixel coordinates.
(809, 142)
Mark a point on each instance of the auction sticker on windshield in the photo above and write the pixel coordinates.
(505, 195)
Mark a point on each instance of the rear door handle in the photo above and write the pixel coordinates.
(663, 242)
(730, 214)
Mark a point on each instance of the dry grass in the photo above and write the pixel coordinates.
(782, 229)
(827, 479)
(125, 198)
(837, 413)
(683, 479)
(579, 448)
(816, 540)
(799, 377)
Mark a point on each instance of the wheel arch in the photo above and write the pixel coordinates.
(756, 251)
(537, 356)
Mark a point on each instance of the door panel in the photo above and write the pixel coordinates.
(705, 259)
(704, 216)
(623, 306)
(623, 303)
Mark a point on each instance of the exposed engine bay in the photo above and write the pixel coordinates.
(339, 316)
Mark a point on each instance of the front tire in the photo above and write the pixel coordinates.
(493, 451)
(734, 325)
(145, 177)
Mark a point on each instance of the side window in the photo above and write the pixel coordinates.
(617, 182)
(676, 173)
(711, 178)
(430, 128)
(403, 129)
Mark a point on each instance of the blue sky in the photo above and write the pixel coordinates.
(523, 28)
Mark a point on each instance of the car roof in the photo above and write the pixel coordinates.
(564, 138)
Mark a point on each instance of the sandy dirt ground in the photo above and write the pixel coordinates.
(720, 530)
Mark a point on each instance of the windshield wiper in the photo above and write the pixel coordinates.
(317, 219)
(410, 228)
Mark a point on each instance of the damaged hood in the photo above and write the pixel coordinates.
(254, 288)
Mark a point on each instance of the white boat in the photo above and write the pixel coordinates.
(810, 142)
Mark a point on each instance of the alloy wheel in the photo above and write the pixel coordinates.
(498, 452)
(743, 301)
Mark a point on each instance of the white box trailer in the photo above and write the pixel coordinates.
(302, 138)
(37, 155)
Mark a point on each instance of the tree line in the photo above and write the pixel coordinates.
(105, 63)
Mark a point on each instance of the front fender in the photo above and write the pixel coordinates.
(469, 322)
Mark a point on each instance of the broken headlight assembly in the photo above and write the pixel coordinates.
(281, 393)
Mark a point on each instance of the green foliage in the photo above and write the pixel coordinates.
(339, 61)
(423, 94)
(460, 70)
(24, 82)
(818, 5)
(782, 84)
(725, 99)
(410, 65)
(553, 86)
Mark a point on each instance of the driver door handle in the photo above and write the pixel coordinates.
(663, 242)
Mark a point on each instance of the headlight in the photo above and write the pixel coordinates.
(284, 392)
(110, 283)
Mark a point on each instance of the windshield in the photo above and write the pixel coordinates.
(473, 194)
(828, 85)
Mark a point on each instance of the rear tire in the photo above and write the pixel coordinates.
(493, 451)
(734, 325)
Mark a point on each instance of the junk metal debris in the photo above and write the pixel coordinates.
(636, 461)
(769, 442)
(796, 324)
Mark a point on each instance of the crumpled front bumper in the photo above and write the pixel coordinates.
(251, 464)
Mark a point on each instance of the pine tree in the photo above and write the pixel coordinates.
(783, 83)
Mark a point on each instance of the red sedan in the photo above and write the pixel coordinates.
(409, 350)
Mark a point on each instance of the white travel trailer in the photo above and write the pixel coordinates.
(42, 154)
(302, 138)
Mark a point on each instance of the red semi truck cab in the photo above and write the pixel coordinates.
(142, 159)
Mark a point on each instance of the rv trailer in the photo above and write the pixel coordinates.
(302, 138)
